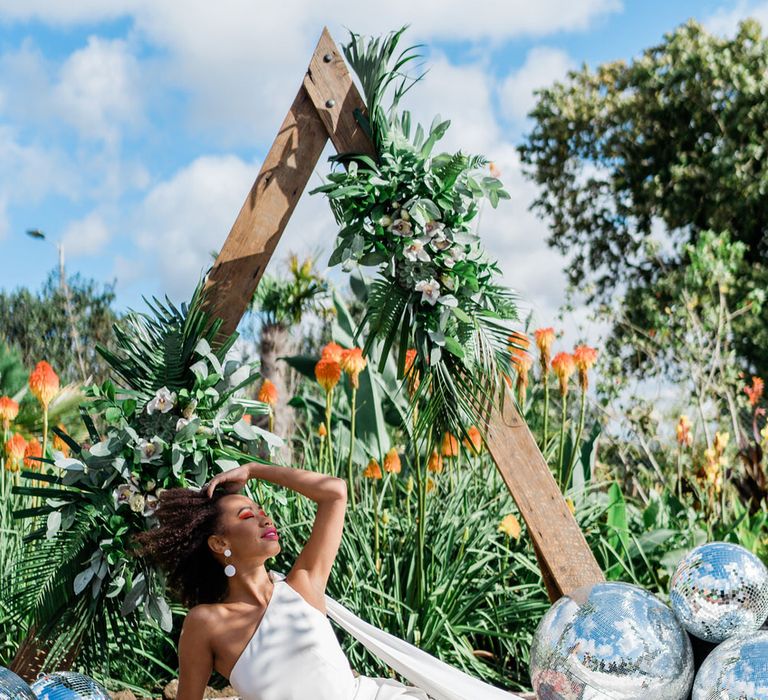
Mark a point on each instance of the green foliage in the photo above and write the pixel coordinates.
(671, 141)
(13, 373)
(38, 325)
(285, 301)
(76, 578)
(483, 594)
(409, 212)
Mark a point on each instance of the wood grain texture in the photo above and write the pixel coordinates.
(311, 120)
(328, 79)
(565, 557)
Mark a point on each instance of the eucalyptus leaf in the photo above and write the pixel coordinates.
(83, 579)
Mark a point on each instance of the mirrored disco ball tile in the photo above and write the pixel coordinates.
(737, 669)
(13, 687)
(68, 685)
(611, 641)
(720, 590)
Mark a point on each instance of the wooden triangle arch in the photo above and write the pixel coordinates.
(324, 108)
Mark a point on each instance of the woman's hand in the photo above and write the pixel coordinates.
(234, 480)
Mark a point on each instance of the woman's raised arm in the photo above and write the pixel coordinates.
(316, 559)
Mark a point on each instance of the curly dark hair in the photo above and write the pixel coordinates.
(179, 546)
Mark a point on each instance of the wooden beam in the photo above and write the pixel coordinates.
(565, 558)
(322, 108)
(336, 98)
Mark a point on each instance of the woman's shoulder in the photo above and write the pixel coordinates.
(203, 617)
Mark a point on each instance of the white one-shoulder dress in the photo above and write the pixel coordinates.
(294, 655)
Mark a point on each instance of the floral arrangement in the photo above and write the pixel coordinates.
(408, 211)
(178, 418)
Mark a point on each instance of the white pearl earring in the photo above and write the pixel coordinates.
(229, 570)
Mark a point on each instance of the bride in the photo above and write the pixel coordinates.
(269, 633)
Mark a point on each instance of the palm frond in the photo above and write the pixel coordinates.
(372, 60)
(155, 350)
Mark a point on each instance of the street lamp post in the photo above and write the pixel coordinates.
(64, 288)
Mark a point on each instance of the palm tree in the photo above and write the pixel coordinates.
(281, 303)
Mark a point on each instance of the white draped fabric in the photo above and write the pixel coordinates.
(439, 680)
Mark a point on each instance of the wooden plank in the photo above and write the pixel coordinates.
(336, 98)
(323, 107)
(265, 213)
(566, 559)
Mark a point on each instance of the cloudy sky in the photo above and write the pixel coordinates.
(131, 130)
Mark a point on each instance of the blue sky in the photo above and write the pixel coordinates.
(131, 130)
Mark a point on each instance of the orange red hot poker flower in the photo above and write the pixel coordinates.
(410, 372)
(435, 464)
(392, 462)
(353, 362)
(44, 383)
(544, 338)
(332, 351)
(373, 470)
(15, 447)
(268, 393)
(9, 409)
(474, 441)
(327, 373)
(563, 366)
(584, 357)
(754, 391)
(33, 449)
(450, 446)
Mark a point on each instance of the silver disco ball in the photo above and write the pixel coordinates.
(13, 687)
(68, 685)
(734, 670)
(611, 641)
(720, 590)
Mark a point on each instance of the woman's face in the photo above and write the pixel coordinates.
(247, 529)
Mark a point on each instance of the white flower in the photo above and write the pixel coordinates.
(182, 423)
(150, 504)
(136, 503)
(430, 290)
(164, 401)
(415, 250)
(432, 228)
(151, 450)
(440, 241)
(454, 256)
(122, 494)
(401, 227)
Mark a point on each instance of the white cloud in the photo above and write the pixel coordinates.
(87, 236)
(543, 65)
(184, 218)
(29, 172)
(239, 58)
(98, 89)
(725, 20)
(461, 93)
(488, 18)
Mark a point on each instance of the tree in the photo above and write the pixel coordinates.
(673, 142)
(38, 326)
(281, 304)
